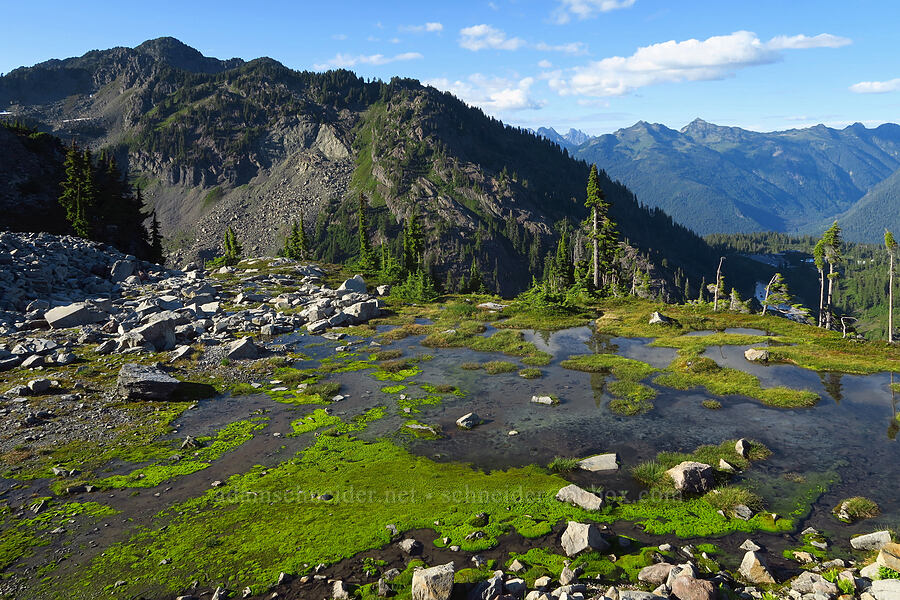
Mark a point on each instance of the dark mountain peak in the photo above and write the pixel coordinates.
(176, 53)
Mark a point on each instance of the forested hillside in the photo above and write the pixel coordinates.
(255, 146)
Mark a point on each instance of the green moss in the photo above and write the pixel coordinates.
(712, 404)
(630, 398)
(470, 366)
(315, 420)
(623, 368)
(689, 372)
(530, 373)
(414, 404)
(693, 518)
(393, 389)
(212, 448)
(421, 430)
(265, 521)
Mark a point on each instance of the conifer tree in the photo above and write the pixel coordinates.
(891, 245)
(295, 243)
(603, 231)
(365, 248)
(832, 243)
(777, 293)
(156, 248)
(413, 244)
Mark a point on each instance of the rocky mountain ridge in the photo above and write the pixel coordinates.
(255, 144)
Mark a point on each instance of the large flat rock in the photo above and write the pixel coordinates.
(600, 463)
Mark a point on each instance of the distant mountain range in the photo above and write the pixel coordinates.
(717, 179)
(572, 139)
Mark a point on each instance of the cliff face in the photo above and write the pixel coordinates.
(255, 146)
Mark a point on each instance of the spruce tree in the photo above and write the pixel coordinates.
(365, 248)
(156, 249)
(413, 244)
(891, 245)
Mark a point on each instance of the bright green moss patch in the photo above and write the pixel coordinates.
(266, 521)
(530, 373)
(541, 562)
(398, 375)
(421, 430)
(506, 341)
(630, 398)
(393, 389)
(623, 368)
(317, 419)
(413, 405)
(689, 372)
(211, 449)
(693, 518)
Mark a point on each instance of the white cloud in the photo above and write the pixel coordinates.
(545, 64)
(425, 28)
(570, 48)
(584, 9)
(716, 57)
(876, 87)
(493, 94)
(480, 37)
(348, 60)
(802, 42)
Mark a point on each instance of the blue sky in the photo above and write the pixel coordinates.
(596, 65)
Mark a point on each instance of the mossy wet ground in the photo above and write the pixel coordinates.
(274, 518)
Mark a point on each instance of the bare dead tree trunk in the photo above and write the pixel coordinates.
(718, 279)
(821, 297)
(766, 299)
(596, 251)
(828, 316)
(844, 322)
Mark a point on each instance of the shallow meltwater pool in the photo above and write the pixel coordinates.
(846, 442)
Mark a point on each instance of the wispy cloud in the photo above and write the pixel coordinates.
(585, 9)
(716, 57)
(570, 48)
(545, 64)
(876, 87)
(339, 36)
(493, 94)
(802, 42)
(424, 28)
(349, 60)
(483, 37)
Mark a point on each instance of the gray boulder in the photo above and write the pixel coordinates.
(573, 494)
(871, 541)
(362, 311)
(121, 270)
(692, 477)
(160, 333)
(579, 537)
(658, 318)
(73, 315)
(354, 284)
(468, 421)
(435, 583)
(811, 583)
(756, 355)
(242, 349)
(885, 589)
(142, 382)
(600, 463)
(656, 574)
(754, 569)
